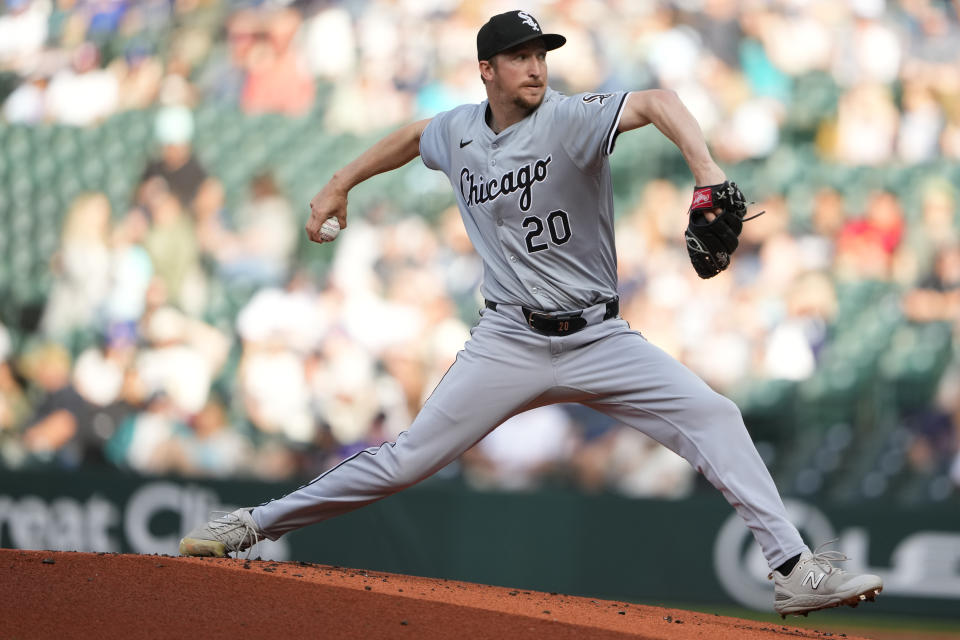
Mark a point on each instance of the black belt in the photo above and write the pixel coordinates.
(560, 323)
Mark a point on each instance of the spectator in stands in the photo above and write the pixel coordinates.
(640, 467)
(937, 226)
(81, 268)
(932, 39)
(59, 429)
(177, 164)
(950, 138)
(140, 72)
(818, 243)
(214, 448)
(866, 126)
(99, 376)
(868, 48)
(523, 452)
(103, 18)
(934, 445)
(222, 79)
(941, 218)
(260, 249)
(866, 244)
(23, 32)
(148, 442)
(131, 401)
(195, 26)
(84, 94)
(272, 383)
(131, 271)
(27, 103)
(610, 457)
(295, 316)
(921, 124)
(14, 407)
(182, 358)
(340, 380)
(330, 46)
(277, 79)
(174, 250)
(272, 375)
(792, 344)
(459, 263)
(720, 29)
(948, 400)
(937, 297)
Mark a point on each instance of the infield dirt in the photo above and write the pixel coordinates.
(47, 594)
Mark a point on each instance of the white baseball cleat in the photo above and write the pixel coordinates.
(814, 584)
(230, 532)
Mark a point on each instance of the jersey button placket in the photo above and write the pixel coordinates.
(493, 163)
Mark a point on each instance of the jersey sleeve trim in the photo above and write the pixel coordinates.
(611, 138)
(427, 161)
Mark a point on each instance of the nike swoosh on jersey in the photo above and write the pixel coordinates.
(463, 144)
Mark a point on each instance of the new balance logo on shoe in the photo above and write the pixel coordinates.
(808, 588)
(813, 580)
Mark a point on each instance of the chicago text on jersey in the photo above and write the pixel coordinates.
(487, 190)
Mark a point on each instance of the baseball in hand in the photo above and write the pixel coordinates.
(329, 229)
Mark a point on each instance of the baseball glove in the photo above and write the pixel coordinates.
(711, 243)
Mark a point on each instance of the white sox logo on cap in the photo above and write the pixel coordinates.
(510, 29)
(528, 19)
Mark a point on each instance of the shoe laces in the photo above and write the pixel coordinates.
(226, 522)
(823, 559)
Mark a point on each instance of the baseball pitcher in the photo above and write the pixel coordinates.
(530, 171)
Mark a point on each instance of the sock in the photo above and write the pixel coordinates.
(788, 566)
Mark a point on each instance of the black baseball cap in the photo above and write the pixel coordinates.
(506, 30)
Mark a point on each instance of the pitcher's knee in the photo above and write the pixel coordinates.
(402, 468)
(719, 410)
(405, 476)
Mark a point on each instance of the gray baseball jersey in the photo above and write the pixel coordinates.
(536, 198)
(537, 202)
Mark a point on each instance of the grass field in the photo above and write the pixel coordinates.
(861, 622)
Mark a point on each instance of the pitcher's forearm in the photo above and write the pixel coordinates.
(675, 121)
(672, 118)
(391, 152)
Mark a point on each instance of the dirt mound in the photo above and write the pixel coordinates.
(49, 594)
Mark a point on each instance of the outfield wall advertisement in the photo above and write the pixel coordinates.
(690, 551)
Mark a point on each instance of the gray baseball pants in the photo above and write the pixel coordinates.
(506, 368)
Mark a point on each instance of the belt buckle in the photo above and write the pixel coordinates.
(530, 317)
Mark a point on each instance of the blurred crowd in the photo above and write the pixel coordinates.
(312, 369)
(886, 70)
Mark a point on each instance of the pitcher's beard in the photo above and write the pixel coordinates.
(527, 105)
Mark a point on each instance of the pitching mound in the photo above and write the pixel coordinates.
(49, 594)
